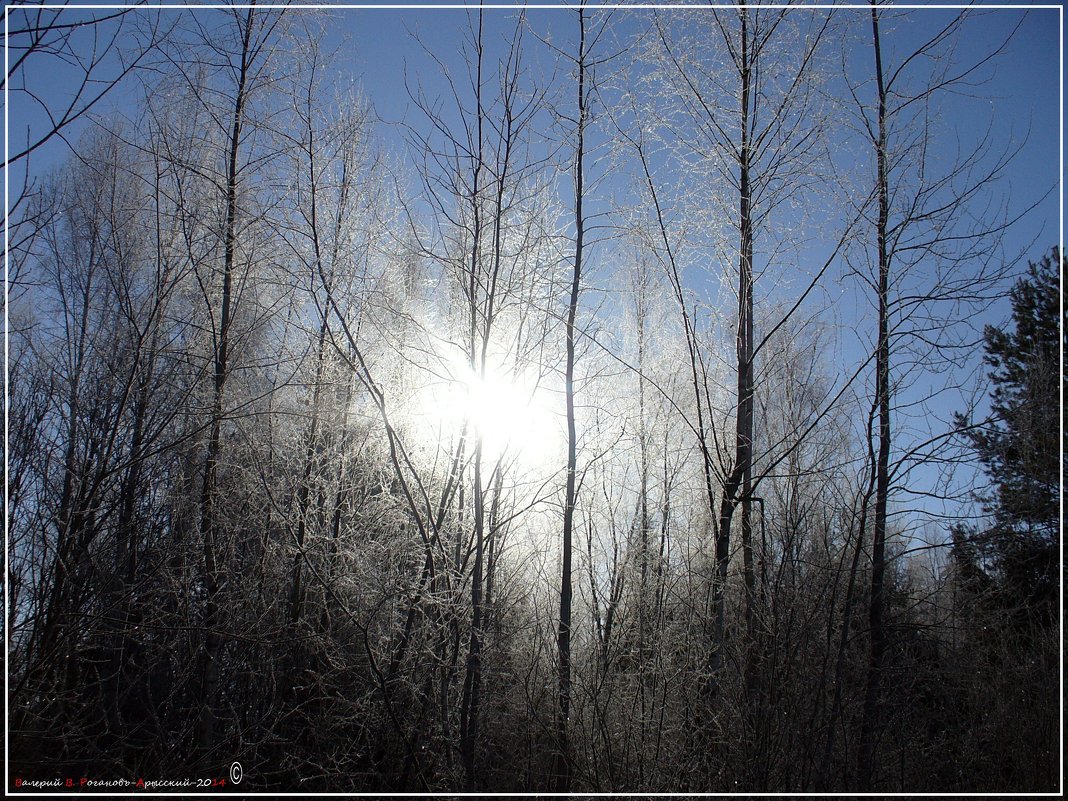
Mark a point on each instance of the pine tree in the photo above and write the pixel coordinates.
(1019, 450)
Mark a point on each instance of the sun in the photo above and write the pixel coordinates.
(509, 410)
(511, 416)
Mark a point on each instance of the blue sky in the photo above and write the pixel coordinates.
(377, 48)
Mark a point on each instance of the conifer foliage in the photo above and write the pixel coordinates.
(1018, 446)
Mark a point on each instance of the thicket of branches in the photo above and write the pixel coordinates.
(529, 445)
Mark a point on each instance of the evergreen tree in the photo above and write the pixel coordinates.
(1019, 450)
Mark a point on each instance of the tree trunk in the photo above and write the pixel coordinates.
(871, 722)
(563, 755)
(469, 702)
(212, 639)
(744, 436)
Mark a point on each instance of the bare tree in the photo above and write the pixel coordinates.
(240, 53)
(563, 770)
(924, 216)
(99, 49)
(763, 145)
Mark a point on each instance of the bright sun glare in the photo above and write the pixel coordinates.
(513, 415)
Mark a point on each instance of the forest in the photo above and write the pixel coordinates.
(572, 400)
